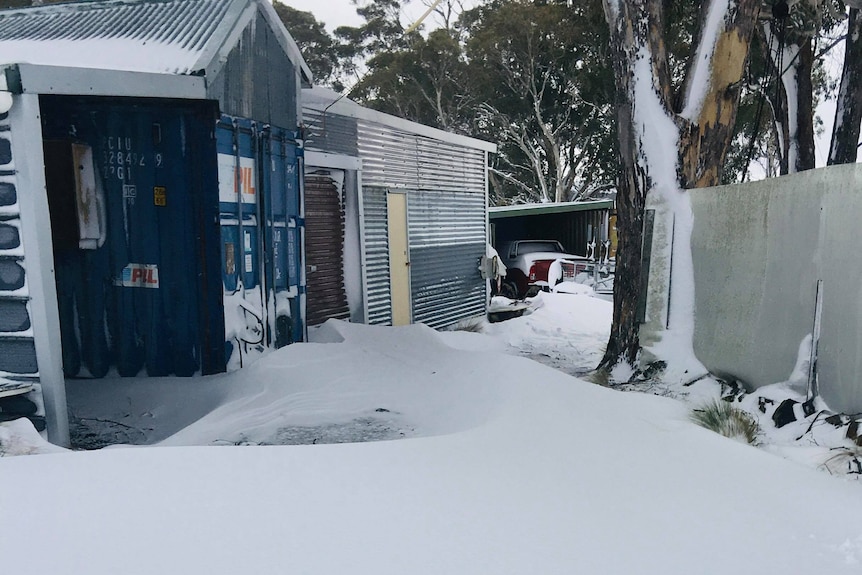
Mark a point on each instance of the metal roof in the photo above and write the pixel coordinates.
(499, 212)
(326, 100)
(156, 36)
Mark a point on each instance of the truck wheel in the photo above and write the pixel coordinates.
(509, 290)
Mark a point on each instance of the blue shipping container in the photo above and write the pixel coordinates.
(261, 227)
(139, 288)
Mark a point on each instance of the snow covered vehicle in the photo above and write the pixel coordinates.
(531, 262)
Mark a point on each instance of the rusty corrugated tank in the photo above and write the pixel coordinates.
(324, 251)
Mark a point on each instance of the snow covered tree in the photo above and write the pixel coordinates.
(793, 38)
(790, 39)
(674, 125)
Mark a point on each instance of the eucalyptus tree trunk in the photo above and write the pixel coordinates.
(699, 130)
(805, 157)
(848, 112)
(793, 104)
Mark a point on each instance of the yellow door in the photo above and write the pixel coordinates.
(399, 258)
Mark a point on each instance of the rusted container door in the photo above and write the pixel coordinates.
(324, 249)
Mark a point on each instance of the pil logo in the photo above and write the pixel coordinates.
(245, 181)
(140, 275)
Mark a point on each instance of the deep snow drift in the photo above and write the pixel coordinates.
(504, 466)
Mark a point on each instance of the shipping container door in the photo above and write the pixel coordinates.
(259, 208)
(282, 208)
(128, 254)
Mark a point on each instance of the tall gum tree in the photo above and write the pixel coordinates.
(669, 141)
(848, 111)
(790, 37)
(533, 64)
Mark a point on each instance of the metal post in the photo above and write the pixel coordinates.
(813, 388)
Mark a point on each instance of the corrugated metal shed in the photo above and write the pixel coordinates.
(377, 294)
(445, 178)
(326, 100)
(157, 36)
(574, 224)
(335, 134)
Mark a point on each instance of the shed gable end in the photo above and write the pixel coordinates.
(258, 80)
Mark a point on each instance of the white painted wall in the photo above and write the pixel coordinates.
(26, 128)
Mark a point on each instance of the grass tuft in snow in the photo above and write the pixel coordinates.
(727, 420)
(475, 325)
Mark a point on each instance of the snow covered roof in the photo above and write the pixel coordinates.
(182, 37)
(329, 101)
(557, 208)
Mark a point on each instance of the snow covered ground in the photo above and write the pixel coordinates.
(472, 460)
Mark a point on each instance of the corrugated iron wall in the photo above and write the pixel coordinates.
(446, 222)
(376, 238)
(329, 132)
(324, 250)
(258, 81)
(572, 229)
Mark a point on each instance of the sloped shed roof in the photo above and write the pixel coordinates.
(181, 37)
(323, 100)
(499, 212)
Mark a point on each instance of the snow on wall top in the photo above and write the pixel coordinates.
(160, 36)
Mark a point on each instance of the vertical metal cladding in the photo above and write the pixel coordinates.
(329, 132)
(446, 221)
(258, 79)
(379, 297)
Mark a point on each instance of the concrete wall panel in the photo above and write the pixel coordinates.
(759, 249)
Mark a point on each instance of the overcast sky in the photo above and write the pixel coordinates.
(335, 13)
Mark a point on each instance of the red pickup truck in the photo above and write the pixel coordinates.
(528, 263)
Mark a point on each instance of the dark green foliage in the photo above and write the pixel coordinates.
(424, 82)
(382, 33)
(539, 70)
(317, 46)
(530, 76)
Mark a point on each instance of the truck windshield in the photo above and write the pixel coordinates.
(531, 247)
